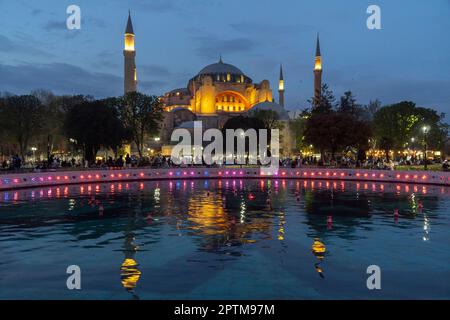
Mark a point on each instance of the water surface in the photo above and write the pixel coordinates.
(226, 239)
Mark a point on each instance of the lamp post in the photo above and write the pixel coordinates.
(34, 153)
(425, 130)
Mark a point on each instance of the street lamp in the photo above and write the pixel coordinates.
(425, 130)
(34, 149)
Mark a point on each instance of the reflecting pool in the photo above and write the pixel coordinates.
(226, 239)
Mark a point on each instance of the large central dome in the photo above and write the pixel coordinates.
(220, 68)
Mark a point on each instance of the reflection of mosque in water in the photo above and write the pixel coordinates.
(129, 271)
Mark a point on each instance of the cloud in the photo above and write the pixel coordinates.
(36, 12)
(430, 93)
(211, 47)
(160, 6)
(150, 70)
(151, 86)
(264, 29)
(55, 25)
(61, 78)
(9, 46)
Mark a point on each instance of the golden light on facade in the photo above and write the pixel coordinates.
(281, 85)
(129, 42)
(318, 63)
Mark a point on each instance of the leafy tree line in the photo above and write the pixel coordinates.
(333, 126)
(59, 122)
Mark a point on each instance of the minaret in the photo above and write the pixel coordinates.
(130, 76)
(281, 87)
(317, 73)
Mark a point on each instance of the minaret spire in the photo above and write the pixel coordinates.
(317, 74)
(129, 29)
(281, 87)
(318, 46)
(129, 52)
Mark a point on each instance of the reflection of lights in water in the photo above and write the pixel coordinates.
(319, 249)
(71, 204)
(426, 228)
(129, 274)
(242, 212)
(281, 224)
(157, 195)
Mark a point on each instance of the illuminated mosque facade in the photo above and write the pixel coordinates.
(219, 92)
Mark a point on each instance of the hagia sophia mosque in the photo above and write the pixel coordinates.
(217, 93)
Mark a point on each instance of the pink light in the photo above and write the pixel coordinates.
(141, 174)
(424, 177)
(283, 173)
(192, 173)
(81, 177)
(58, 178)
(49, 178)
(112, 175)
(220, 173)
(170, 173)
(89, 177)
(184, 173)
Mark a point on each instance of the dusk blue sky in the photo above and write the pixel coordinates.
(409, 59)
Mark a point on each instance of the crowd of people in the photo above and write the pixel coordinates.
(158, 161)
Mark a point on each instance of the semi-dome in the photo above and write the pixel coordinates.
(220, 68)
(267, 105)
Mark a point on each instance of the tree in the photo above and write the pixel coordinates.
(348, 105)
(336, 127)
(52, 126)
(269, 118)
(245, 123)
(298, 127)
(93, 125)
(327, 102)
(21, 119)
(395, 125)
(141, 115)
(372, 108)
